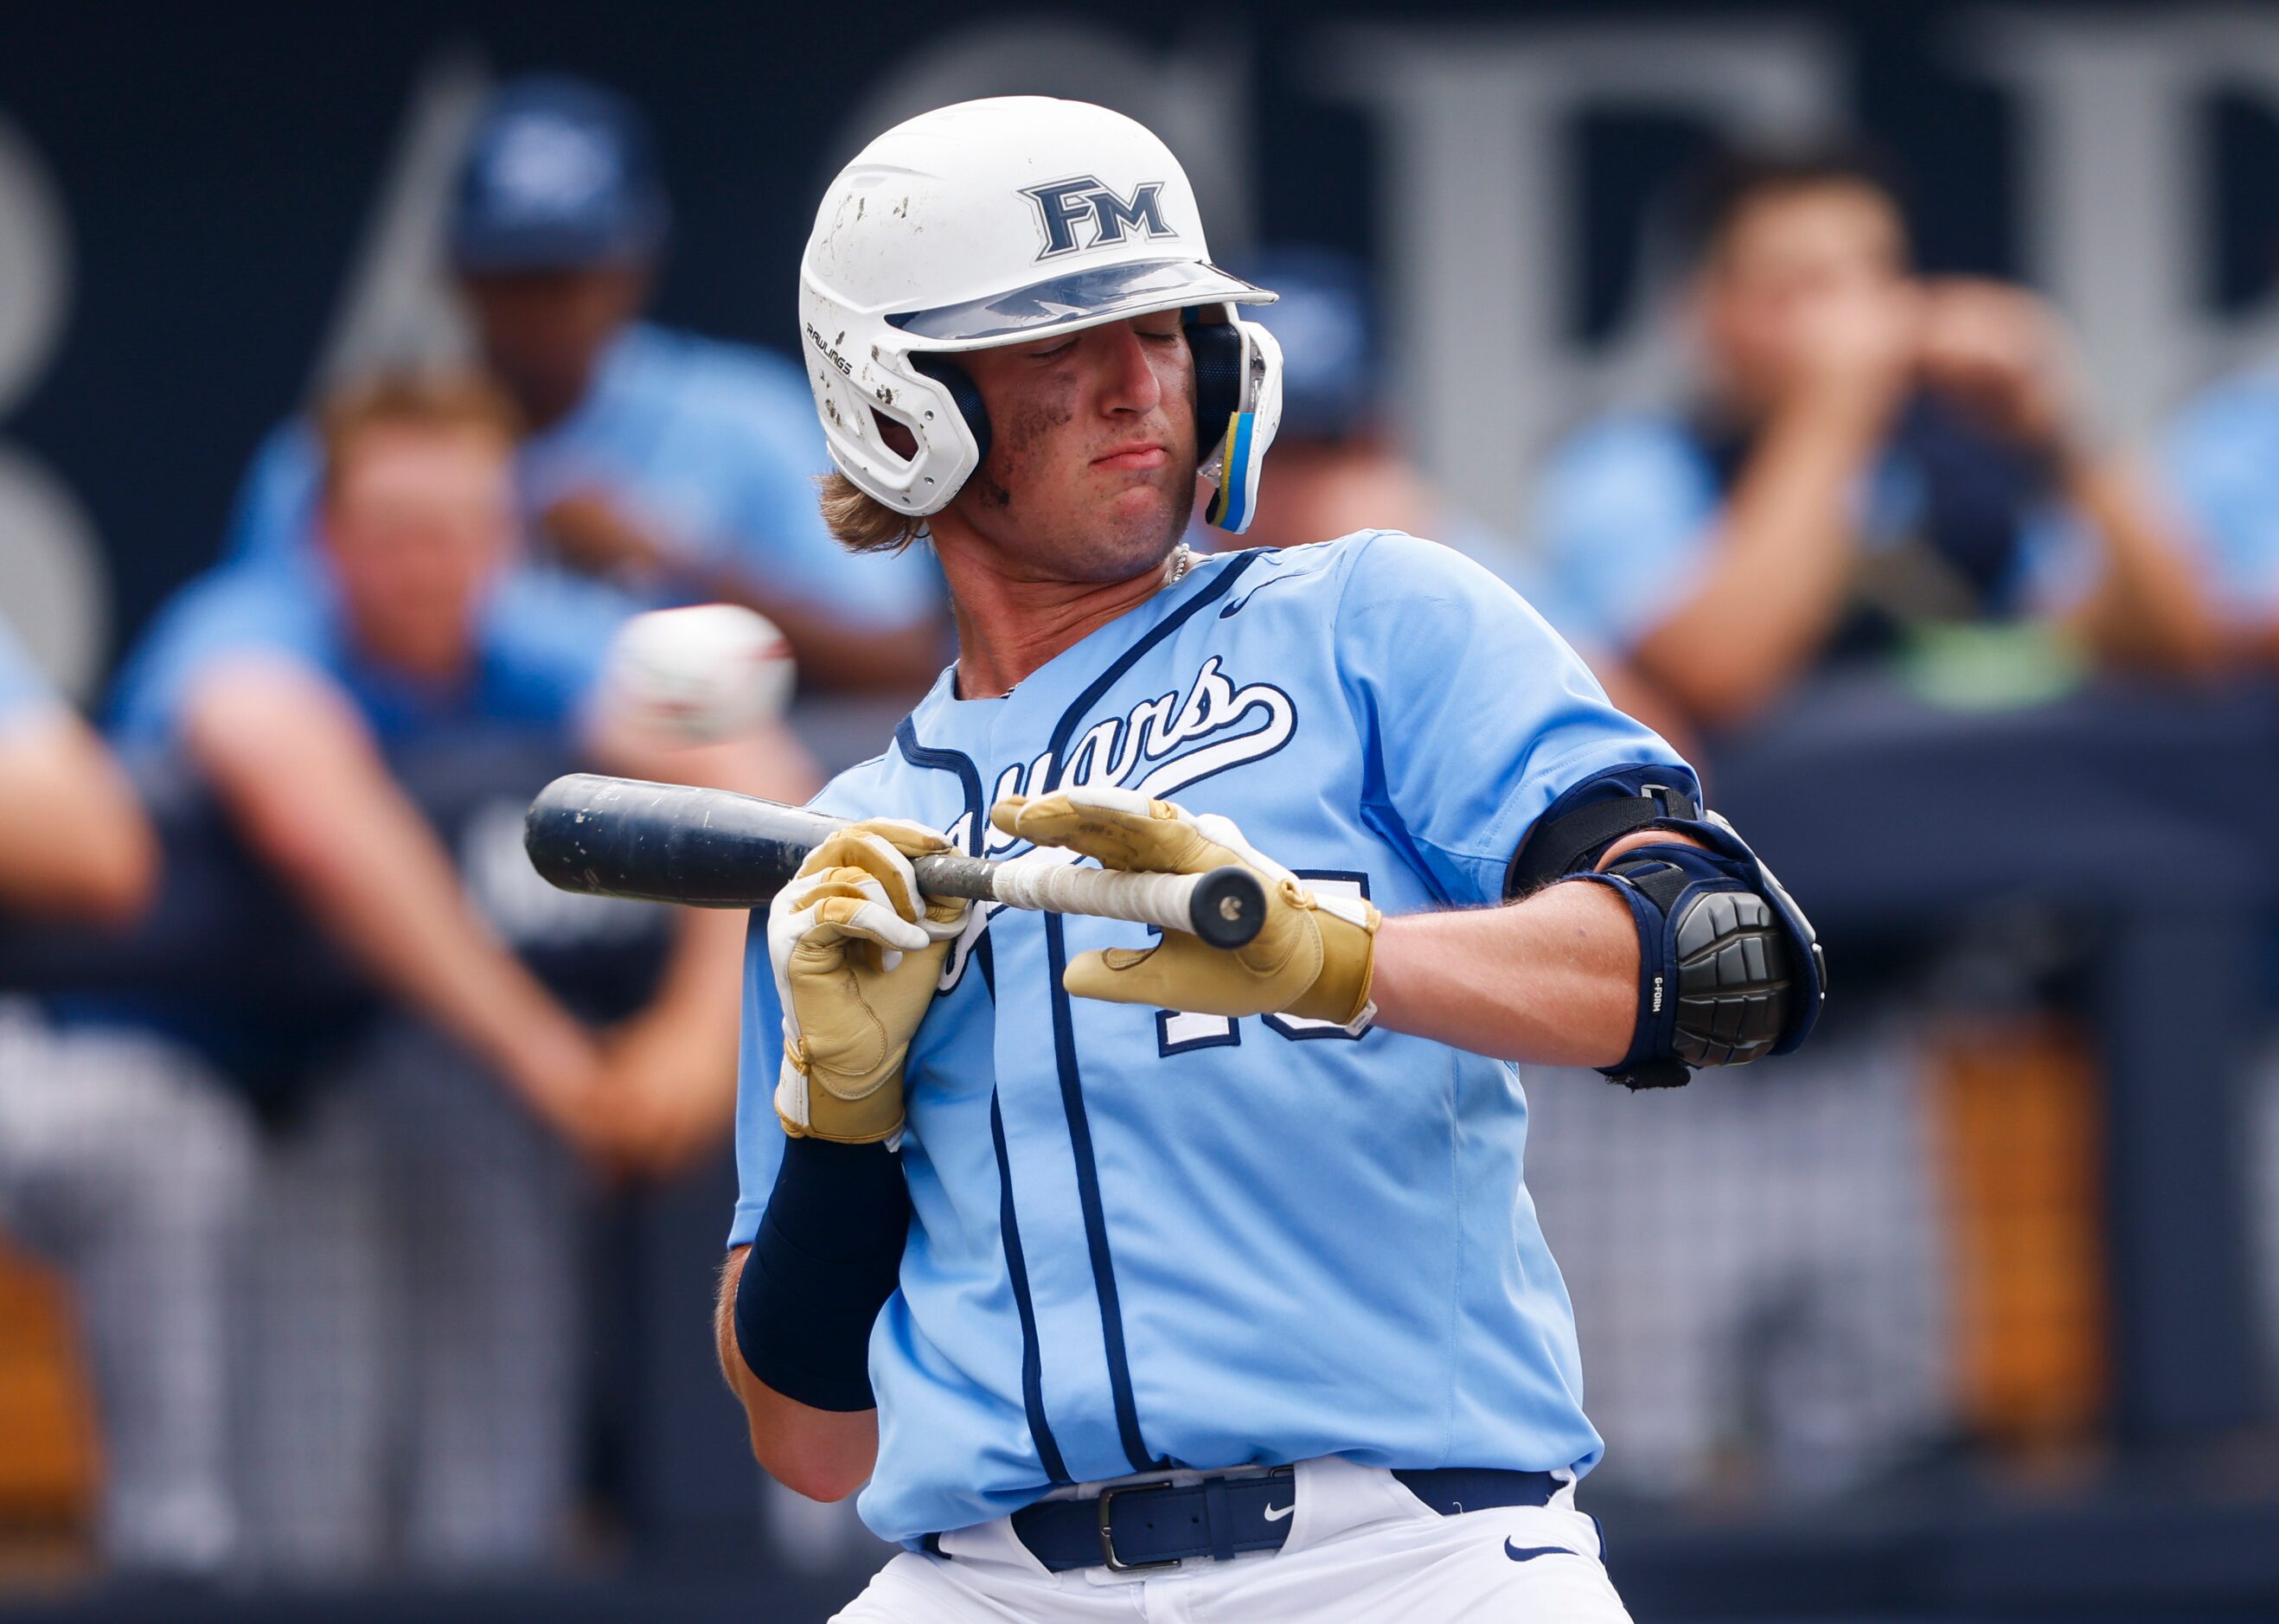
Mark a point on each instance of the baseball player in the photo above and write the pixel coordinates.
(123, 1166)
(679, 468)
(1139, 1278)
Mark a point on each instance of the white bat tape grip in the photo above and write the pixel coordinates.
(1055, 885)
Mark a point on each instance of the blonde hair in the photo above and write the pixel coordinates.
(859, 521)
(427, 398)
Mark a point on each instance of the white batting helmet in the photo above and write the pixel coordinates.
(1000, 222)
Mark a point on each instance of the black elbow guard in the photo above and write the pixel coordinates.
(1729, 969)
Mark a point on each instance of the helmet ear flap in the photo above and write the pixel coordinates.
(1237, 368)
(1216, 350)
(961, 388)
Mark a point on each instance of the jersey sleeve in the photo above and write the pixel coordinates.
(778, 535)
(270, 520)
(1475, 714)
(1625, 521)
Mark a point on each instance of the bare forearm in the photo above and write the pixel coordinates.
(2147, 608)
(314, 800)
(1552, 980)
(1780, 566)
(824, 1454)
(386, 890)
(74, 840)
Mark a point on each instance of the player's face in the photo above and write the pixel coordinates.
(1091, 471)
(543, 333)
(1784, 262)
(418, 522)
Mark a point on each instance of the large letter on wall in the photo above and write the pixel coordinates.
(2113, 180)
(1476, 235)
(52, 589)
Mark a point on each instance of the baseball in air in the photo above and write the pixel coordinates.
(697, 675)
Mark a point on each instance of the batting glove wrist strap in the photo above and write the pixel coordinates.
(825, 1259)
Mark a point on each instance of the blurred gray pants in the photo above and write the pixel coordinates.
(412, 1390)
(123, 1158)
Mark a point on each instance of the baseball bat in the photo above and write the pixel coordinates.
(714, 849)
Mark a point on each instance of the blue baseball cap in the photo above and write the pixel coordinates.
(1331, 386)
(559, 175)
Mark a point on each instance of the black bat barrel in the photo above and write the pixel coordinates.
(713, 848)
(667, 842)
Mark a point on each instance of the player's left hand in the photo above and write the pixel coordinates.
(857, 951)
(1314, 957)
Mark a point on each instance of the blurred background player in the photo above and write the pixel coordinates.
(680, 469)
(438, 1166)
(60, 779)
(118, 1160)
(2220, 459)
(1872, 458)
(1871, 455)
(1339, 465)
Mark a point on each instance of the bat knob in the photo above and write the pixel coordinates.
(1228, 908)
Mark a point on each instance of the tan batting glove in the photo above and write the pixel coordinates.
(857, 951)
(1314, 957)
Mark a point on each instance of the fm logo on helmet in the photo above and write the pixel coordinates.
(1062, 204)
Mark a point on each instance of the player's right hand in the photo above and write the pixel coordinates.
(1314, 957)
(857, 951)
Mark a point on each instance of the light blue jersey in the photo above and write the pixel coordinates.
(1144, 1237)
(713, 447)
(2222, 458)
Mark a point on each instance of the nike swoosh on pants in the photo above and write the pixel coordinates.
(1528, 1553)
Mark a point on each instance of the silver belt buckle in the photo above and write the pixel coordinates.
(1108, 1533)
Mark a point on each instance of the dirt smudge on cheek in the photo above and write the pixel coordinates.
(1018, 450)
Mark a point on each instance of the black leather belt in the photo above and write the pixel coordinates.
(1161, 1525)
